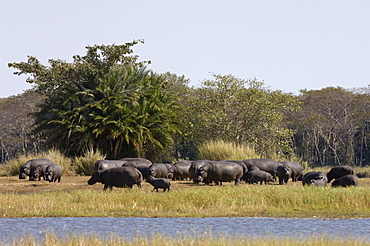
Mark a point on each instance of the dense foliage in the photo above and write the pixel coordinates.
(107, 100)
(240, 111)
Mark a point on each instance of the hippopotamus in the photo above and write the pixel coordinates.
(53, 173)
(266, 165)
(284, 173)
(295, 168)
(241, 163)
(39, 172)
(117, 177)
(339, 171)
(157, 183)
(193, 169)
(347, 180)
(160, 170)
(180, 170)
(142, 165)
(315, 179)
(28, 168)
(106, 164)
(220, 171)
(256, 175)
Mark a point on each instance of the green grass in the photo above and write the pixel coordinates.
(203, 201)
(200, 240)
(84, 165)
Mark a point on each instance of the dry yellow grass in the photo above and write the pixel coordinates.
(73, 197)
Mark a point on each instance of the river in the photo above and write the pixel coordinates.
(228, 227)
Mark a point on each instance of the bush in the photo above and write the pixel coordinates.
(84, 165)
(220, 150)
(12, 167)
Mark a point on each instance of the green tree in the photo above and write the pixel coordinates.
(105, 100)
(240, 111)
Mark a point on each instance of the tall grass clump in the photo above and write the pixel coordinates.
(84, 165)
(13, 166)
(221, 150)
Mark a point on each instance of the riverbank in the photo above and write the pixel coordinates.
(73, 197)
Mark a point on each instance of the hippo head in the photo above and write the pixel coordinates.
(24, 171)
(48, 175)
(35, 176)
(95, 178)
(201, 174)
(22, 174)
(286, 170)
(149, 179)
(152, 172)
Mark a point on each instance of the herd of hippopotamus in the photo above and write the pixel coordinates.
(43, 167)
(127, 172)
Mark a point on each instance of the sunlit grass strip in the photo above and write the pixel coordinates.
(205, 201)
(202, 240)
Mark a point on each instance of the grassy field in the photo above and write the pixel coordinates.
(73, 197)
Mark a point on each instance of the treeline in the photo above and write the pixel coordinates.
(107, 100)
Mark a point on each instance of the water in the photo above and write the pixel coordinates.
(228, 227)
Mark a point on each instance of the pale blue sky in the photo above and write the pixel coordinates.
(290, 45)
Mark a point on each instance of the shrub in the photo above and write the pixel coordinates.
(221, 150)
(84, 165)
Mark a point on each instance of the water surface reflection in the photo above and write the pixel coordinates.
(228, 227)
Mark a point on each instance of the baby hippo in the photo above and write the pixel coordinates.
(157, 183)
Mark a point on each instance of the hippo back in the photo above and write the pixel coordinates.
(315, 178)
(134, 159)
(266, 165)
(106, 164)
(142, 166)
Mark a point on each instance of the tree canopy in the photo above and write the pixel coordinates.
(240, 111)
(106, 100)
